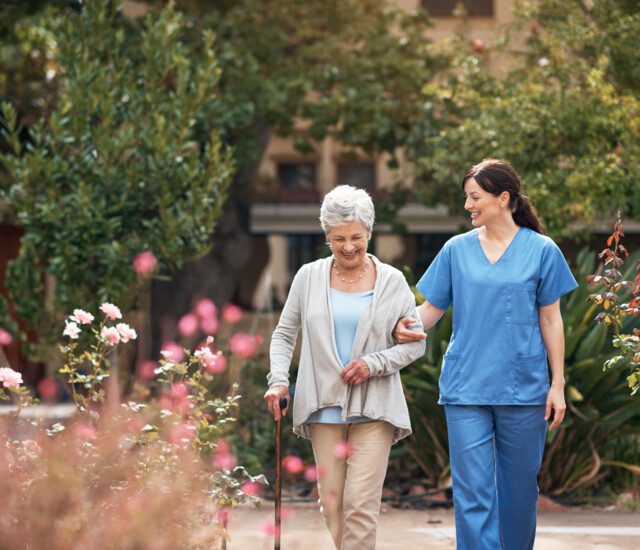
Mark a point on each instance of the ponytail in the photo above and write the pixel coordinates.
(497, 176)
(525, 215)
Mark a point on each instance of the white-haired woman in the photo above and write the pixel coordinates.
(348, 399)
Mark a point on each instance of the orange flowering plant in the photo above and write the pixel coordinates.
(619, 298)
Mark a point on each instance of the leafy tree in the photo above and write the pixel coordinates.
(565, 114)
(353, 69)
(127, 161)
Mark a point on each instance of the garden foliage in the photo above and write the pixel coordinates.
(154, 472)
(559, 98)
(126, 161)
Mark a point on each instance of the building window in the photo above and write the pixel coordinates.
(359, 174)
(299, 176)
(445, 8)
(296, 183)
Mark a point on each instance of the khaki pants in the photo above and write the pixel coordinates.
(350, 488)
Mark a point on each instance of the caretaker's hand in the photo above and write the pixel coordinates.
(356, 372)
(555, 401)
(405, 335)
(272, 398)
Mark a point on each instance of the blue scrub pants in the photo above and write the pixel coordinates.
(496, 453)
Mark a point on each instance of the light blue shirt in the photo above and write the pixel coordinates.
(348, 308)
(496, 355)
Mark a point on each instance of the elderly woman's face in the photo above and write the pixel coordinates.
(349, 244)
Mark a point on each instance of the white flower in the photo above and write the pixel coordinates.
(71, 330)
(543, 62)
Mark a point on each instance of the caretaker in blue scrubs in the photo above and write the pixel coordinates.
(504, 279)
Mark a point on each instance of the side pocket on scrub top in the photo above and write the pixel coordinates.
(520, 304)
(449, 376)
(532, 378)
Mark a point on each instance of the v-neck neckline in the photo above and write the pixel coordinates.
(504, 253)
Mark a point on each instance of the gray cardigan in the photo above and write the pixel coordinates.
(308, 307)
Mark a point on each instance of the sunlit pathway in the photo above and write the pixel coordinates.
(304, 529)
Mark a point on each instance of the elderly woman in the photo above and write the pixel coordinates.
(348, 399)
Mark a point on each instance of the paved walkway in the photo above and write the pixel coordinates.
(303, 529)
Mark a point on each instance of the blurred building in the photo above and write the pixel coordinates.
(290, 185)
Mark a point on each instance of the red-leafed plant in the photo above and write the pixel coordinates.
(619, 298)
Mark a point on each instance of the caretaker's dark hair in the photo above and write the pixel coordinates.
(496, 176)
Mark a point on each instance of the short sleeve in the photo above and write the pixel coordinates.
(555, 278)
(436, 285)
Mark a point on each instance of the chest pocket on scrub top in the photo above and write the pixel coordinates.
(520, 304)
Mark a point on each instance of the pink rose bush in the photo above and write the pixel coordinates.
(160, 458)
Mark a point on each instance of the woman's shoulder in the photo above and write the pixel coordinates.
(315, 266)
(538, 239)
(460, 240)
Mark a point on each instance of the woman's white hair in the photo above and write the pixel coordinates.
(345, 204)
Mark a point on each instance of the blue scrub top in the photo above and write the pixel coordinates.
(496, 355)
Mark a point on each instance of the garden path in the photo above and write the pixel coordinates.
(304, 529)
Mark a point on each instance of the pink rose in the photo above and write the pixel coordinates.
(48, 389)
(251, 488)
(146, 370)
(145, 263)
(213, 362)
(110, 335)
(172, 351)
(293, 464)
(111, 311)
(85, 431)
(312, 473)
(219, 365)
(231, 314)
(205, 308)
(343, 450)
(126, 332)
(181, 434)
(82, 317)
(224, 461)
(10, 378)
(209, 325)
(188, 325)
(179, 390)
(242, 345)
(269, 529)
(5, 337)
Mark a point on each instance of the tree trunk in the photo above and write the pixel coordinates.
(221, 274)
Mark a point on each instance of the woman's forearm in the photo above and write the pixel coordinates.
(429, 314)
(552, 330)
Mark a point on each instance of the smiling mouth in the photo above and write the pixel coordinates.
(351, 255)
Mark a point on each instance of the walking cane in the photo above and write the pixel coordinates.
(283, 405)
